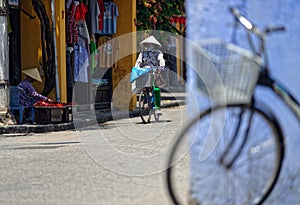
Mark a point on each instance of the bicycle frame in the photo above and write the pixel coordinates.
(150, 98)
(282, 92)
(264, 79)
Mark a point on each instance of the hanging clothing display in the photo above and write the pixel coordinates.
(90, 26)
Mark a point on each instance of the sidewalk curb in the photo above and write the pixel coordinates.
(101, 118)
(42, 128)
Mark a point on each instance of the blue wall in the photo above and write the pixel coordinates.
(211, 18)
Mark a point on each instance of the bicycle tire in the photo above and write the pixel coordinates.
(218, 190)
(144, 105)
(156, 116)
(153, 110)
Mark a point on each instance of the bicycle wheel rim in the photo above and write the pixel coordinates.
(268, 183)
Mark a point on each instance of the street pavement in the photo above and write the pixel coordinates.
(120, 161)
(74, 167)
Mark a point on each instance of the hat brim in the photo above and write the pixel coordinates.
(151, 40)
(33, 73)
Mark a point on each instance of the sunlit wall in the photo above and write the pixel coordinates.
(211, 18)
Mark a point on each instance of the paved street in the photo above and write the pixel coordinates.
(72, 167)
(118, 162)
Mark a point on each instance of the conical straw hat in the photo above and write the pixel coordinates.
(33, 73)
(152, 40)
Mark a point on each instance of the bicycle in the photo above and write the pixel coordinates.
(147, 104)
(243, 136)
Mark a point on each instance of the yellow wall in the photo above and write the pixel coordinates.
(125, 25)
(31, 51)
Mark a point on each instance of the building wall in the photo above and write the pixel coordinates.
(31, 51)
(127, 40)
(208, 19)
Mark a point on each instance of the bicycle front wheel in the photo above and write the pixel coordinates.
(257, 150)
(144, 105)
(156, 114)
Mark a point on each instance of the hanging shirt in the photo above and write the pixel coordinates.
(69, 67)
(93, 49)
(71, 28)
(80, 64)
(81, 49)
(109, 19)
(81, 11)
(83, 32)
(108, 49)
(94, 11)
(31, 92)
(100, 16)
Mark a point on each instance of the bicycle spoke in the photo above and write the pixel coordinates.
(201, 179)
(232, 188)
(241, 164)
(263, 148)
(259, 128)
(254, 187)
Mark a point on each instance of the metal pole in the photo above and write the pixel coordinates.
(55, 52)
(4, 63)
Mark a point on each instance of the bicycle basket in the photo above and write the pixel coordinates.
(145, 80)
(235, 73)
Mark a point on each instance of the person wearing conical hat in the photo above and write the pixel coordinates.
(29, 91)
(152, 57)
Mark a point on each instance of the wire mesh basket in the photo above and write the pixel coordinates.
(228, 73)
(145, 80)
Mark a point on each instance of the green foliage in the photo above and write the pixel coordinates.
(156, 14)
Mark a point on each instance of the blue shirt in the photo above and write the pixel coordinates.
(109, 18)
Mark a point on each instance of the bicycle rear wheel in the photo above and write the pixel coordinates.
(253, 174)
